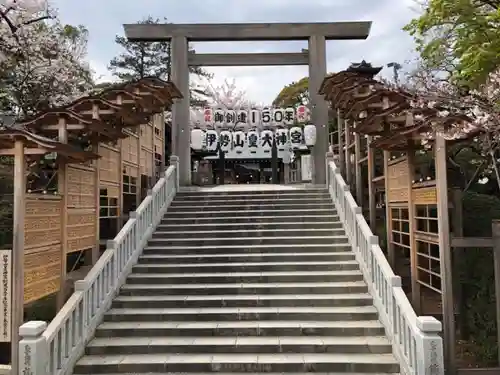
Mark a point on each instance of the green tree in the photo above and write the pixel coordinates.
(294, 94)
(143, 59)
(460, 37)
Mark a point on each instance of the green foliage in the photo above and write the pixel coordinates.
(294, 94)
(461, 37)
(476, 275)
(143, 59)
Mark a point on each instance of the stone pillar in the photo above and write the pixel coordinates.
(33, 349)
(180, 110)
(319, 107)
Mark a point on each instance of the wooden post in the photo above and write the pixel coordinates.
(348, 164)
(96, 251)
(388, 216)
(340, 126)
(138, 195)
(445, 255)
(62, 188)
(371, 185)
(358, 177)
(458, 252)
(415, 286)
(18, 252)
(495, 230)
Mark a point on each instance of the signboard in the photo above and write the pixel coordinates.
(5, 295)
(254, 117)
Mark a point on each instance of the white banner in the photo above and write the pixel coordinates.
(5, 295)
(265, 116)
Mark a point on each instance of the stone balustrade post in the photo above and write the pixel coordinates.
(33, 349)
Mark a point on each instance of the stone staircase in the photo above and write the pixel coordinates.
(255, 282)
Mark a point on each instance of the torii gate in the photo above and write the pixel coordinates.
(315, 33)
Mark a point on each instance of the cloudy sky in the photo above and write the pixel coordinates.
(386, 43)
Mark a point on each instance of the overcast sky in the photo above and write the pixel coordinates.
(386, 43)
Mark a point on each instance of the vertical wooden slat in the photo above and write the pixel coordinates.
(371, 185)
(388, 216)
(348, 164)
(358, 170)
(496, 256)
(63, 189)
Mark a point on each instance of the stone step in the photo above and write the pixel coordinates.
(365, 327)
(204, 314)
(245, 226)
(247, 257)
(224, 249)
(243, 277)
(209, 362)
(257, 218)
(238, 300)
(239, 344)
(176, 215)
(236, 233)
(251, 200)
(276, 206)
(247, 267)
(244, 288)
(272, 240)
(252, 193)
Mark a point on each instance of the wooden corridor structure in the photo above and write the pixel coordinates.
(79, 170)
(379, 148)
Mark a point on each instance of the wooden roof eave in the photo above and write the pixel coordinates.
(350, 87)
(48, 145)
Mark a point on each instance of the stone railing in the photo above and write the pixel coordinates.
(54, 349)
(416, 340)
(5, 369)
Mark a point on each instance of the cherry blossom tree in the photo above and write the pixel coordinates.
(42, 60)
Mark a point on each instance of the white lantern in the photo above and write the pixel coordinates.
(197, 139)
(296, 137)
(219, 117)
(226, 140)
(281, 139)
(266, 116)
(230, 117)
(278, 116)
(208, 117)
(266, 140)
(212, 140)
(310, 135)
(254, 117)
(239, 138)
(289, 116)
(253, 141)
(302, 113)
(241, 116)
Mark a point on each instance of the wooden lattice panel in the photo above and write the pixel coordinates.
(81, 230)
(147, 136)
(146, 162)
(397, 176)
(81, 186)
(112, 190)
(131, 170)
(42, 221)
(130, 149)
(159, 149)
(426, 195)
(109, 164)
(42, 272)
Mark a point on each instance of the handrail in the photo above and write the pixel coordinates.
(54, 349)
(416, 340)
(5, 370)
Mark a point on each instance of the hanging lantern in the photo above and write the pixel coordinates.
(219, 117)
(254, 117)
(253, 141)
(225, 140)
(241, 116)
(289, 116)
(197, 139)
(301, 113)
(230, 118)
(266, 116)
(310, 135)
(296, 137)
(278, 116)
(212, 139)
(266, 140)
(281, 139)
(239, 138)
(208, 116)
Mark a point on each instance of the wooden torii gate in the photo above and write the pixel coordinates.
(181, 34)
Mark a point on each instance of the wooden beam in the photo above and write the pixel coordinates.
(248, 59)
(465, 242)
(224, 32)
